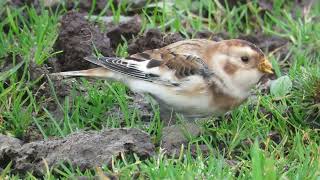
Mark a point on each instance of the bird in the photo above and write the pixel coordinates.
(196, 78)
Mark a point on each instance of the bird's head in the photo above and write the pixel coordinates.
(242, 63)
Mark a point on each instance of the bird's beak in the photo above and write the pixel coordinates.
(265, 66)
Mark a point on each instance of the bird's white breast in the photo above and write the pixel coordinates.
(197, 103)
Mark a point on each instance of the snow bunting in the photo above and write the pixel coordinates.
(196, 78)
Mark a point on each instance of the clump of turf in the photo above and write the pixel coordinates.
(307, 96)
(317, 92)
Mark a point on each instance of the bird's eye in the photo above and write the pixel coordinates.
(245, 59)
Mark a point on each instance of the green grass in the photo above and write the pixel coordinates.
(244, 136)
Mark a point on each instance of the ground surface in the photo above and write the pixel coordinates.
(84, 128)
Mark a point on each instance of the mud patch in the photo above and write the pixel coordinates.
(85, 150)
(152, 39)
(77, 39)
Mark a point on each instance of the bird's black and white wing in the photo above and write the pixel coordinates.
(170, 69)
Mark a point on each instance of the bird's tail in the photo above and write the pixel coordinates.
(95, 72)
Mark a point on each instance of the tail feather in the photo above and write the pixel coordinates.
(120, 66)
(95, 72)
(94, 60)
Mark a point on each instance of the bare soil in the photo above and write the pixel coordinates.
(77, 39)
(128, 30)
(152, 39)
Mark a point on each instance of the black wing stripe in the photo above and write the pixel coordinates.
(117, 65)
(137, 59)
(124, 70)
(153, 63)
(144, 55)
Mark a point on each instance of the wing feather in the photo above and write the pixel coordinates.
(119, 65)
(168, 65)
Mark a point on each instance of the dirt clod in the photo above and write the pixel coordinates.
(264, 5)
(140, 103)
(203, 148)
(206, 34)
(136, 102)
(45, 92)
(152, 39)
(86, 5)
(77, 39)
(8, 147)
(136, 3)
(127, 29)
(32, 133)
(265, 42)
(145, 110)
(37, 71)
(35, 3)
(85, 150)
(6, 63)
(275, 137)
(176, 135)
(317, 92)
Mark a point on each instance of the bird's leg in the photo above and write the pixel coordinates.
(167, 115)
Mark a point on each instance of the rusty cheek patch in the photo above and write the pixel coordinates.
(230, 68)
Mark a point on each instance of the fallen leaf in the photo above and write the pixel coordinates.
(281, 87)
